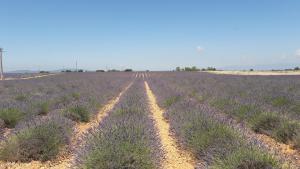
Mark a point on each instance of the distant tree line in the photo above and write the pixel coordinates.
(100, 70)
(44, 72)
(194, 68)
(115, 70)
(296, 68)
(69, 71)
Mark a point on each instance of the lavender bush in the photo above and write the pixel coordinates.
(125, 139)
(191, 121)
(35, 109)
(39, 139)
(44, 95)
(246, 98)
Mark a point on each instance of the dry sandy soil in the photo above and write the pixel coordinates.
(174, 157)
(262, 73)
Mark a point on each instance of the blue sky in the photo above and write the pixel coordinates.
(149, 34)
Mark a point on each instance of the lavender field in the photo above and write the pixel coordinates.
(135, 120)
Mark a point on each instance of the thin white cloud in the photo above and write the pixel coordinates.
(200, 49)
(284, 56)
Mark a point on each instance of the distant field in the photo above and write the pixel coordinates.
(150, 120)
(24, 76)
(262, 73)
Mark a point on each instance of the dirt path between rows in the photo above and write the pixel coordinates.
(82, 128)
(174, 157)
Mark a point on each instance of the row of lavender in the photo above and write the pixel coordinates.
(70, 98)
(267, 104)
(126, 138)
(210, 140)
(24, 99)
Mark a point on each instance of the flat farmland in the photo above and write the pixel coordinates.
(137, 120)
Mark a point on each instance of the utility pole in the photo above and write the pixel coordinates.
(76, 67)
(1, 65)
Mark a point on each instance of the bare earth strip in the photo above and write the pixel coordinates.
(76, 142)
(174, 158)
(261, 73)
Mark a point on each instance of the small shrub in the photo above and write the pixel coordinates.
(118, 144)
(63, 100)
(199, 98)
(277, 127)
(11, 117)
(206, 136)
(280, 101)
(243, 111)
(21, 97)
(296, 141)
(61, 86)
(171, 100)
(122, 155)
(195, 95)
(287, 132)
(78, 113)
(40, 141)
(76, 96)
(2, 124)
(265, 123)
(295, 108)
(43, 108)
(222, 103)
(247, 158)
